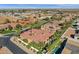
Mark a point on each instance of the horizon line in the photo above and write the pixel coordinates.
(39, 6)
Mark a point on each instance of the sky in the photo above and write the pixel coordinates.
(39, 6)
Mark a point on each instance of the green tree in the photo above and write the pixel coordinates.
(47, 19)
(25, 40)
(18, 26)
(10, 27)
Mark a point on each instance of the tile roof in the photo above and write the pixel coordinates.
(36, 35)
(3, 26)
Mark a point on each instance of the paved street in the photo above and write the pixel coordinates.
(11, 46)
(5, 41)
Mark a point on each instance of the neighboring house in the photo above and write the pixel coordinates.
(52, 26)
(5, 26)
(49, 27)
(20, 21)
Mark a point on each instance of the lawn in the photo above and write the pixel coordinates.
(17, 30)
(37, 24)
(54, 45)
(7, 31)
(38, 46)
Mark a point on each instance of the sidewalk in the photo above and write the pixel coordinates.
(23, 47)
